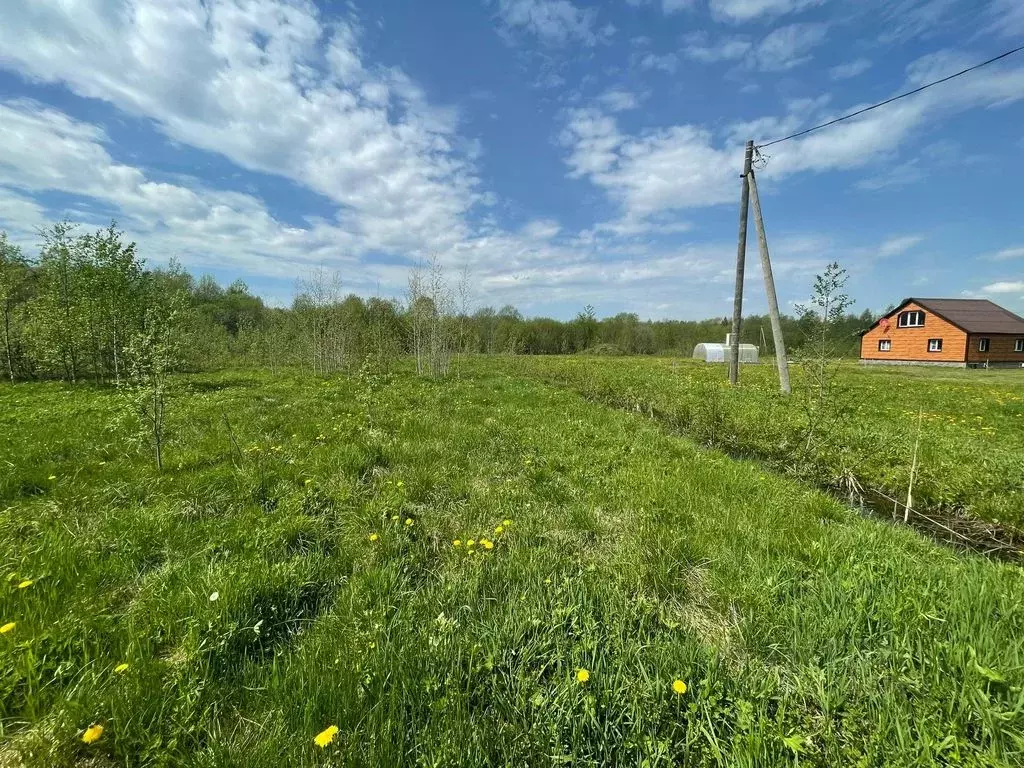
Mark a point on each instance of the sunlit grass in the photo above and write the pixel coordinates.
(972, 423)
(294, 570)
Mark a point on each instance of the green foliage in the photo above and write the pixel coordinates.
(152, 354)
(804, 633)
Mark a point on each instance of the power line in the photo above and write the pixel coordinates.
(894, 98)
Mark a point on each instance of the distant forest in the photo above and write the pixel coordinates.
(77, 310)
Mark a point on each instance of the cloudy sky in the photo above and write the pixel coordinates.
(561, 152)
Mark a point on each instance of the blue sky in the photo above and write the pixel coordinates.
(558, 152)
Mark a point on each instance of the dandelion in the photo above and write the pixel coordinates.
(470, 543)
(499, 530)
(408, 521)
(374, 537)
(679, 687)
(326, 736)
(582, 676)
(506, 522)
(457, 543)
(122, 667)
(92, 733)
(52, 477)
(25, 584)
(7, 627)
(214, 597)
(488, 544)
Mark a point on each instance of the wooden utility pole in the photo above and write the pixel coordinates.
(769, 287)
(741, 256)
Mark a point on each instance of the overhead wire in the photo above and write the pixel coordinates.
(894, 98)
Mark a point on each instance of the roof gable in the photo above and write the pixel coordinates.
(970, 315)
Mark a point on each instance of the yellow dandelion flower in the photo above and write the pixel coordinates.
(488, 544)
(499, 530)
(457, 543)
(679, 687)
(506, 522)
(582, 675)
(326, 736)
(470, 543)
(122, 667)
(52, 477)
(92, 733)
(25, 584)
(374, 537)
(7, 627)
(408, 521)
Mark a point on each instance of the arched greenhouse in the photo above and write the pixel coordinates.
(719, 353)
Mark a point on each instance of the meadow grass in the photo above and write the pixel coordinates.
(971, 453)
(294, 568)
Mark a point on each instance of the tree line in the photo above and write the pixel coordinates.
(84, 307)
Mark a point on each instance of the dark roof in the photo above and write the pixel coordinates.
(972, 315)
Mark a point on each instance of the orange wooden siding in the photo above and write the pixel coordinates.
(1000, 349)
(912, 343)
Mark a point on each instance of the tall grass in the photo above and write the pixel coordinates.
(972, 437)
(804, 634)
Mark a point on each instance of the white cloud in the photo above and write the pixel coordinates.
(1009, 253)
(739, 11)
(1007, 17)
(658, 171)
(849, 69)
(200, 226)
(672, 6)
(697, 46)
(667, 62)
(687, 166)
(788, 46)
(619, 100)
(554, 22)
(896, 246)
(1006, 286)
(781, 49)
(241, 80)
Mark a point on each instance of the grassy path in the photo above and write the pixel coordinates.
(804, 635)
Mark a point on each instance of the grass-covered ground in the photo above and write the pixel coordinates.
(971, 453)
(295, 568)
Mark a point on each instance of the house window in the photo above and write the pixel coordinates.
(983, 345)
(912, 319)
(1018, 345)
(884, 345)
(934, 345)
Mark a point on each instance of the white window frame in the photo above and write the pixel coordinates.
(983, 344)
(934, 345)
(1018, 345)
(885, 345)
(903, 321)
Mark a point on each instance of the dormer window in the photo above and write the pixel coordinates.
(913, 318)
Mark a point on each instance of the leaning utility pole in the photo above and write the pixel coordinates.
(741, 255)
(769, 288)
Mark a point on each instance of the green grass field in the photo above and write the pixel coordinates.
(295, 568)
(971, 453)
